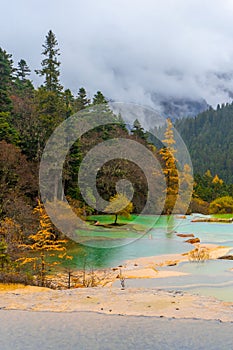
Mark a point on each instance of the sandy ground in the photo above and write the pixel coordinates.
(116, 301)
(132, 301)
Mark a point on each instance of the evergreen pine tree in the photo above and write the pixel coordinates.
(99, 99)
(82, 101)
(138, 130)
(7, 131)
(50, 65)
(69, 101)
(23, 71)
(6, 70)
(22, 85)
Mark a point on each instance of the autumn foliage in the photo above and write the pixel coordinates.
(44, 245)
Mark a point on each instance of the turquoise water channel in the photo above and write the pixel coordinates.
(103, 248)
(152, 236)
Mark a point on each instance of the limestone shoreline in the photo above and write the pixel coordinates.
(152, 266)
(131, 301)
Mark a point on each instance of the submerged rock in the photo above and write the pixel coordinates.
(193, 240)
(226, 257)
(185, 235)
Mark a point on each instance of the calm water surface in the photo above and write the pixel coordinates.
(43, 330)
(161, 239)
(213, 278)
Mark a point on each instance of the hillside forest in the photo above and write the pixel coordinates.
(30, 114)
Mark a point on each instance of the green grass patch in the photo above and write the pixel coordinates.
(222, 216)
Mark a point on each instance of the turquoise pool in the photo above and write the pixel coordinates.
(108, 248)
(213, 278)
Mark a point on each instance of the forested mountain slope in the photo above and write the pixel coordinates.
(209, 138)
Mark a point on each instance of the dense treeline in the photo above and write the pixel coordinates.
(209, 138)
(29, 115)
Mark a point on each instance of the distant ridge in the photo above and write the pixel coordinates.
(209, 139)
(176, 108)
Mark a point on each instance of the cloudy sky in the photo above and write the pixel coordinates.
(129, 48)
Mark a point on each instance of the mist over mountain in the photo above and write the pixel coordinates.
(180, 50)
(178, 107)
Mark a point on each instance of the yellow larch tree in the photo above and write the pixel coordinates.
(45, 246)
(120, 206)
(170, 168)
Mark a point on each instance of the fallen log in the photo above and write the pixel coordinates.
(222, 220)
